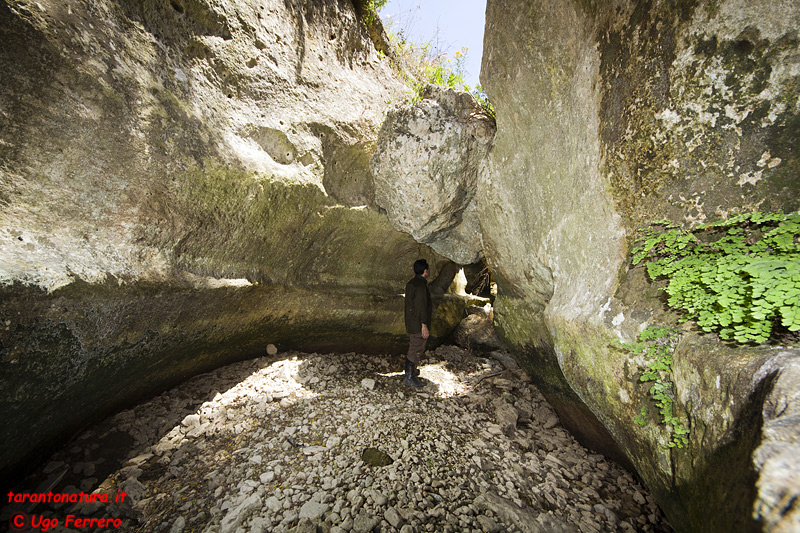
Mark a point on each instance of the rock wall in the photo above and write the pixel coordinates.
(181, 183)
(611, 115)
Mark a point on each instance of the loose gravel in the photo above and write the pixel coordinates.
(335, 443)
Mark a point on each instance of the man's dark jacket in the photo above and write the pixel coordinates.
(418, 307)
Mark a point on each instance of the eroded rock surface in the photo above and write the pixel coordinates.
(776, 456)
(183, 182)
(426, 171)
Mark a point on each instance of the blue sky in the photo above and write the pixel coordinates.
(448, 24)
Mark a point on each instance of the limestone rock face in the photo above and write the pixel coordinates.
(161, 127)
(182, 183)
(185, 183)
(775, 458)
(426, 171)
(611, 115)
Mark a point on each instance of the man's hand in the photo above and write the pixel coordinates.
(425, 332)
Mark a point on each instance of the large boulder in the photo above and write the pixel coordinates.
(612, 115)
(426, 170)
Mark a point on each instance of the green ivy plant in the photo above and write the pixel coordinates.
(370, 8)
(739, 276)
(657, 344)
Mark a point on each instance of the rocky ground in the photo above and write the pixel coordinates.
(321, 442)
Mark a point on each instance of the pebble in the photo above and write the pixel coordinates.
(275, 444)
(178, 526)
(393, 517)
(313, 510)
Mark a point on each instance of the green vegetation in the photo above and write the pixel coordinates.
(421, 65)
(482, 99)
(426, 67)
(369, 9)
(657, 344)
(739, 276)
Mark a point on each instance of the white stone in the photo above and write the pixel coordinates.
(260, 525)
(364, 523)
(178, 525)
(236, 517)
(393, 517)
(181, 76)
(191, 421)
(377, 497)
(313, 450)
(273, 504)
(313, 510)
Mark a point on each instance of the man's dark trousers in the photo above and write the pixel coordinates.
(416, 347)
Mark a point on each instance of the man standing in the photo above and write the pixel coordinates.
(418, 310)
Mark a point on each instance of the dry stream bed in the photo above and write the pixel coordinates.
(323, 442)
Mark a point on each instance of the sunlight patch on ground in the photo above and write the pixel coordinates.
(448, 383)
(259, 388)
(445, 382)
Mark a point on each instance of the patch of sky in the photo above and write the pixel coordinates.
(448, 26)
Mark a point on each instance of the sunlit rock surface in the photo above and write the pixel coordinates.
(426, 171)
(611, 115)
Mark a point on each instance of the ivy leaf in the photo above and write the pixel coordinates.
(736, 282)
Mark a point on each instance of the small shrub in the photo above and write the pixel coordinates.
(369, 9)
(421, 65)
(482, 99)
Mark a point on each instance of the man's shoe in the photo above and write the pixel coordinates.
(413, 376)
(415, 370)
(409, 380)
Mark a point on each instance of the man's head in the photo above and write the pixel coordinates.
(420, 267)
